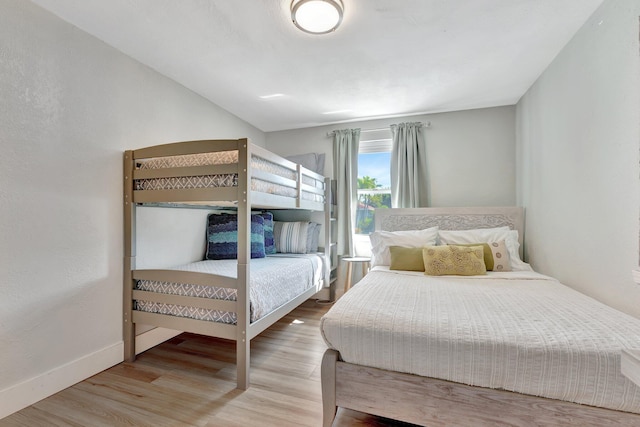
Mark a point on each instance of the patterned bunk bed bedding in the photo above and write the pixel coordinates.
(275, 280)
(518, 331)
(222, 180)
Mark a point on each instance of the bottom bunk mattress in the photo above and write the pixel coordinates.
(275, 280)
(517, 331)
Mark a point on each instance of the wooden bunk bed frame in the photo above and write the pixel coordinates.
(241, 197)
(434, 402)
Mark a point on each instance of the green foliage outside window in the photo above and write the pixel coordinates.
(367, 202)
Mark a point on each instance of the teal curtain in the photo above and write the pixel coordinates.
(408, 166)
(345, 172)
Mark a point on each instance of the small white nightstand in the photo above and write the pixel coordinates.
(631, 365)
(350, 261)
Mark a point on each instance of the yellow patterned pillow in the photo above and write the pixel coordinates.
(454, 260)
(496, 255)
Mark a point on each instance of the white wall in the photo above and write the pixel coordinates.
(69, 106)
(471, 154)
(578, 142)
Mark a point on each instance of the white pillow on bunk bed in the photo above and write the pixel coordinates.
(382, 240)
(313, 237)
(488, 235)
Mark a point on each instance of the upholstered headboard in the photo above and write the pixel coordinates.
(452, 219)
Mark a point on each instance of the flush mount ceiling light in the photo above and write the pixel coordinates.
(317, 16)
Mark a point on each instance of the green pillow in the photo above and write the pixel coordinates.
(454, 260)
(409, 259)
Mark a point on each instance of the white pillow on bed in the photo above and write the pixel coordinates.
(488, 235)
(382, 240)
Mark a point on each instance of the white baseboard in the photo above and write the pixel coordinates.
(19, 396)
(28, 392)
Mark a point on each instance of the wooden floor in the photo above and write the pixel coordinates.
(190, 381)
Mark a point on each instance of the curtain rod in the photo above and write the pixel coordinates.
(425, 124)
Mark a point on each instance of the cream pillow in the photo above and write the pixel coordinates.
(500, 256)
(382, 240)
(454, 260)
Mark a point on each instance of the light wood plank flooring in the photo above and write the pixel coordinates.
(190, 381)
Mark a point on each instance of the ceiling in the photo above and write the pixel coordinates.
(388, 58)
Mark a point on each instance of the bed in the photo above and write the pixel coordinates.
(225, 298)
(505, 348)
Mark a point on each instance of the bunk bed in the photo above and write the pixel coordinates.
(215, 173)
(510, 348)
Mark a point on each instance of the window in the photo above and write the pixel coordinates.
(374, 182)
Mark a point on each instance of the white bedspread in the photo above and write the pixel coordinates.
(275, 280)
(518, 331)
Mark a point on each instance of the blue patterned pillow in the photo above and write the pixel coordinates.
(269, 241)
(222, 236)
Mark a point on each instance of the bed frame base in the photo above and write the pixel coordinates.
(433, 402)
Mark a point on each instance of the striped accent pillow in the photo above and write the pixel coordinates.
(291, 237)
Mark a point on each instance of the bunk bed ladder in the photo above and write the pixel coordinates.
(327, 239)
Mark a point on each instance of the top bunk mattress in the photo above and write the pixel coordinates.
(274, 281)
(518, 331)
(222, 179)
